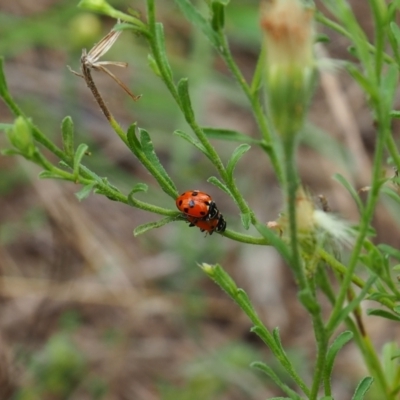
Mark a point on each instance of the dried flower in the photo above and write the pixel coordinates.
(90, 60)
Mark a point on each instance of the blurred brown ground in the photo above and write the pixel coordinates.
(58, 255)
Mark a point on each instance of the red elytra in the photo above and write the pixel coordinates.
(217, 224)
(197, 204)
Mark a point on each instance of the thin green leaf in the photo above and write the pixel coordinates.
(389, 250)
(229, 135)
(3, 82)
(153, 65)
(362, 388)
(132, 201)
(396, 309)
(388, 191)
(389, 83)
(246, 220)
(148, 150)
(379, 297)
(361, 79)
(152, 225)
(216, 182)
(337, 345)
(10, 152)
(160, 42)
(138, 188)
(269, 372)
(396, 32)
(85, 191)
(192, 141)
(183, 91)
(341, 179)
(67, 129)
(80, 152)
(236, 156)
(275, 241)
(277, 338)
(395, 354)
(199, 21)
(352, 305)
(51, 175)
(133, 141)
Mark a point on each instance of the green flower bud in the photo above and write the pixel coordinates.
(288, 38)
(20, 136)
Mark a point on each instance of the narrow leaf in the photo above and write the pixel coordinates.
(391, 193)
(341, 179)
(236, 156)
(10, 152)
(50, 175)
(67, 129)
(352, 305)
(3, 82)
(246, 220)
(396, 32)
(160, 42)
(337, 345)
(80, 152)
(152, 225)
(199, 21)
(395, 354)
(361, 79)
(139, 187)
(362, 388)
(183, 91)
(229, 135)
(389, 250)
(396, 309)
(153, 65)
(148, 150)
(389, 85)
(85, 191)
(269, 372)
(192, 141)
(383, 314)
(216, 182)
(275, 241)
(133, 141)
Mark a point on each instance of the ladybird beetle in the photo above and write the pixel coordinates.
(216, 224)
(197, 204)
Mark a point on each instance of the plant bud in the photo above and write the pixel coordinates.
(288, 37)
(20, 136)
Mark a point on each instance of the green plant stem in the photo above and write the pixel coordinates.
(377, 10)
(393, 151)
(238, 237)
(214, 157)
(255, 103)
(375, 366)
(365, 221)
(86, 176)
(292, 184)
(151, 20)
(322, 348)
